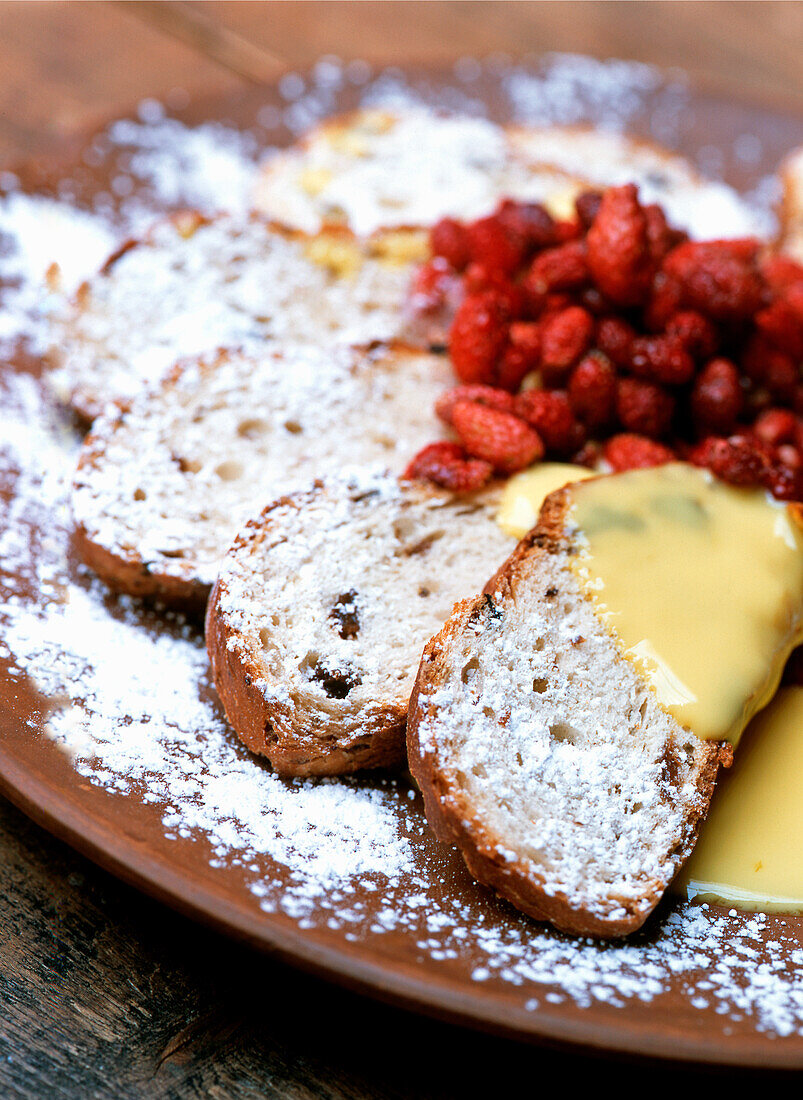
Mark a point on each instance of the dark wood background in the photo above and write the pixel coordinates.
(104, 993)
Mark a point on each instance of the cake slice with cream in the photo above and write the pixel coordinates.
(567, 726)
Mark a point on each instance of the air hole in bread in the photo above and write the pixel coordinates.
(470, 670)
(564, 732)
(293, 427)
(423, 591)
(540, 684)
(253, 428)
(265, 638)
(230, 471)
(172, 553)
(140, 494)
(480, 771)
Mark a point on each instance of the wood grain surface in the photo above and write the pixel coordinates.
(104, 993)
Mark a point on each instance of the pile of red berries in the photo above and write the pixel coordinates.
(612, 336)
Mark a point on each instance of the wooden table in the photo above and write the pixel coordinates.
(103, 992)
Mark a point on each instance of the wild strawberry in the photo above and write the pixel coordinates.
(549, 412)
(561, 268)
(718, 278)
(592, 390)
(783, 481)
(445, 464)
(529, 221)
(781, 272)
(716, 398)
(618, 249)
(448, 238)
(664, 301)
(495, 245)
(489, 396)
(644, 408)
(628, 451)
(782, 326)
(587, 206)
(738, 460)
(661, 359)
(565, 338)
(479, 280)
(521, 355)
(697, 334)
(777, 426)
(615, 338)
(478, 337)
(496, 437)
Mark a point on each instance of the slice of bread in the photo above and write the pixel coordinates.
(193, 285)
(543, 754)
(380, 168)
(373, 168)
(322, 606)
(791, 212)
(163, 486)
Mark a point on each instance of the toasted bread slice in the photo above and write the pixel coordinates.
(381, 168)
(162, 487)
(791, 211)
(543, 753)
(194, 285)
(323, 604)
(406, 167)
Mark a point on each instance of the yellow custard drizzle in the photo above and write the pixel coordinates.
(750, 852)
(700, 582)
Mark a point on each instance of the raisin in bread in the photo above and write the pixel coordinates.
(194, 285)
(543, 754)
(380, 168)
(163, 486)
(323, 604)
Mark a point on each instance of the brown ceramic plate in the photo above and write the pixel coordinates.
(340, 878)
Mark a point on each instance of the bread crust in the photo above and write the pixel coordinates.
(456, 821)
(790, 208)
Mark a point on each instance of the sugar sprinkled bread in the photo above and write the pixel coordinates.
(162, 487)
(544, 755)
(323, 604)
(378, 168)
(193, 285)
(375, 168)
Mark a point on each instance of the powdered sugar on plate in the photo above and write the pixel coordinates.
(133, 707)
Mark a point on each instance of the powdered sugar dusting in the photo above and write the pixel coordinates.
(356, 855)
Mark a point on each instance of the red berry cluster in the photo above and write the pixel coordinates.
(611, 335)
